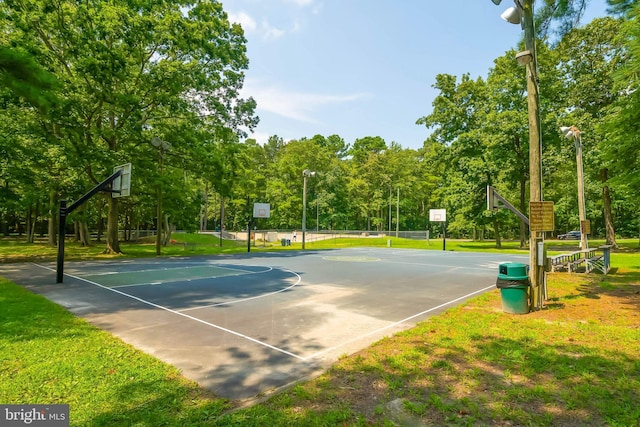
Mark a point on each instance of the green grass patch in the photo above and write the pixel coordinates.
(48, 356)
(17, 250)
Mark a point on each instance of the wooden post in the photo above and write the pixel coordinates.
(536, 272)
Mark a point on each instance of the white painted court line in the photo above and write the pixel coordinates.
(326, 350)
(243, 273)
(447, 267)
(238, 334)
(246, 299)
(174, 268)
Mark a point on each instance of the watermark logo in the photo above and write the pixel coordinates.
(34, 415)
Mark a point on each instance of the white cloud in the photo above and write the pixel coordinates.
(265, 29)
(245, 20)
(260, 137)
(269, 32)
(298, 106)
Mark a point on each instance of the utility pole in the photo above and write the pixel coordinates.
(536, 273)
(574, 133)
(581, 207)
(398, 214)
(305, 174)
(522, 14)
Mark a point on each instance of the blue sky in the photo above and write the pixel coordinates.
(360, 68)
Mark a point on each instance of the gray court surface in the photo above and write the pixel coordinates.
(245, 325)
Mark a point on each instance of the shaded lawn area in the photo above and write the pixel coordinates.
(577, 362)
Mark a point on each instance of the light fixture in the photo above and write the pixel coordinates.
(570, 131)
(512, 15)
(525, 57)
(496, 2)
(158, 143)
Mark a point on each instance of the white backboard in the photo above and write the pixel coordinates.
(261, 210)
(438, 215)
(123, 182)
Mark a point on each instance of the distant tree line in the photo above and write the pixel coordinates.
(87, 86)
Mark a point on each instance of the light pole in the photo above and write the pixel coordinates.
(574, 133)
(305, 173)
(522, 14)
(162, 146)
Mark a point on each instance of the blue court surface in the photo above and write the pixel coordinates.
(245, 325)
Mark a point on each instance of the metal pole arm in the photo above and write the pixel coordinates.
(64, 211)
(494, 195)
(95, 189)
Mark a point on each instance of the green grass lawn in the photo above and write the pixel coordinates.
(576, 362)
(17, 250)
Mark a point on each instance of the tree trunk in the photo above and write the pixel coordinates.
(496, 228)
(100, 228)
(3, 225)
(30, 224)
(127, 225)
(608, 217)
(167, 229)
(82, 233)
(113, 244)
(53, 219)
(205, 213)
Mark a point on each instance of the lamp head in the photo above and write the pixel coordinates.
(496, 2)
(570, 131)
(525, 57)
(512, 15)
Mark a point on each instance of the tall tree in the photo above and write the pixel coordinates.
(589, 58)
(622, 124)
(125, 68)
(26, 78)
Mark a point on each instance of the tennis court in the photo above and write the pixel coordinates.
(244, 325)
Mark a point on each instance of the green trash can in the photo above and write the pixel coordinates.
(514, 285)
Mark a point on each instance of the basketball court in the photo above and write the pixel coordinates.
(244, 325)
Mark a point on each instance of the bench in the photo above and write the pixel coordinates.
(569, 262)
(591, 259)
(601, 262)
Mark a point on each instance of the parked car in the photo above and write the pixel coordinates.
(572, 235)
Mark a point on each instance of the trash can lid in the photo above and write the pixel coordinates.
(512, 271)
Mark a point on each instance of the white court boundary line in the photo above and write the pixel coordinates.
(246, 299)
(302, 358)
(241, 273)
(213, 325)
(326, 350)
(178, 268)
